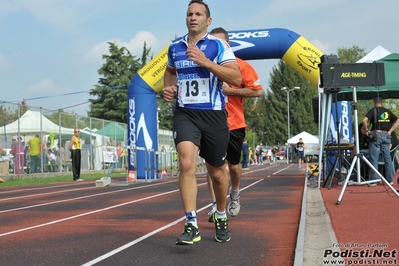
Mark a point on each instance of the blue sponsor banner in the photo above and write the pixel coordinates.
(345, 122)
(340, 113)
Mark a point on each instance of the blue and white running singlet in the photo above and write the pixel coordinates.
(198, 88)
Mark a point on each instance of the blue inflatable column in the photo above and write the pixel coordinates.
(142, 128)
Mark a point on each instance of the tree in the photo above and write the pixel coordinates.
(350, 54)
(254, 111)
(23, 106)
(68, 119)
(9, 114)
(111, 92)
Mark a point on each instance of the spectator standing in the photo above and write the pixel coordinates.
(75, 148)
(22, 143)
(52, 160)
(274, 156)
(257, 154)
(18, 151)
(45, 154)
(300, 146)
(261, 154)
(251, 156)
(383, 123)
(34, 153)
(269, 155)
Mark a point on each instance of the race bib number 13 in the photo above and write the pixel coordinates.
(194, 91)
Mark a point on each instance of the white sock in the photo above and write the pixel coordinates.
(221, 215)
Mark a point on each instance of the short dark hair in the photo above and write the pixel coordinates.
(208, 12)
(377, 100)
(222, 31)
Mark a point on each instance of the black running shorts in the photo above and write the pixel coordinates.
(235, 146)
(207, 129)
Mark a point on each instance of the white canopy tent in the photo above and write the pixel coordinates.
(311, 142)
(377, 53)
(33, 122)
(306, 137)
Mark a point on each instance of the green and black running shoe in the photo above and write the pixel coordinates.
(189, 236)
(222, 229)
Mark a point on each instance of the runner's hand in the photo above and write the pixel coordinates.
(169, 93)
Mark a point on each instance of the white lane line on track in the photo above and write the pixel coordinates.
(281, 170)
(89, 196)
(64, 191)
(38, 188)
(43, 194)
(82, 197)
(88, 213)
(117, 250)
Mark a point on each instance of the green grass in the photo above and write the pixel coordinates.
(29, 181)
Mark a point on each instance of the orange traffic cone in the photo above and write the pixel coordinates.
(131, 176)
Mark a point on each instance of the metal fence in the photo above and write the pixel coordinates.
(102, 140)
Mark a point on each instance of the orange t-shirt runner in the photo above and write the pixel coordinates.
(235, 104)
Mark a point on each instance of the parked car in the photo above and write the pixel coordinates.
(281, 154)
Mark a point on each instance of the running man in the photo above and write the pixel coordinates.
(235, 95)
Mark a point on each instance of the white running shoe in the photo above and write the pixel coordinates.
(234, 205)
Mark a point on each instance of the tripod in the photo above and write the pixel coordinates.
(357, 158)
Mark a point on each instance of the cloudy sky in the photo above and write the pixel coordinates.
(50, 50)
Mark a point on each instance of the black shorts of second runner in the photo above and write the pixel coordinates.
(235, 146)
(207, 129)
(301, 155)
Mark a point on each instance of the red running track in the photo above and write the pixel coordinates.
(80, 224)
(365, 220)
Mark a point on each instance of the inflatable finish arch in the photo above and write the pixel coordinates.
(275, 43)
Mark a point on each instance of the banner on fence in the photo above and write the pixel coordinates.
(110, 154)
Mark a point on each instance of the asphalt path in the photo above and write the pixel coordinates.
(80, 224)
